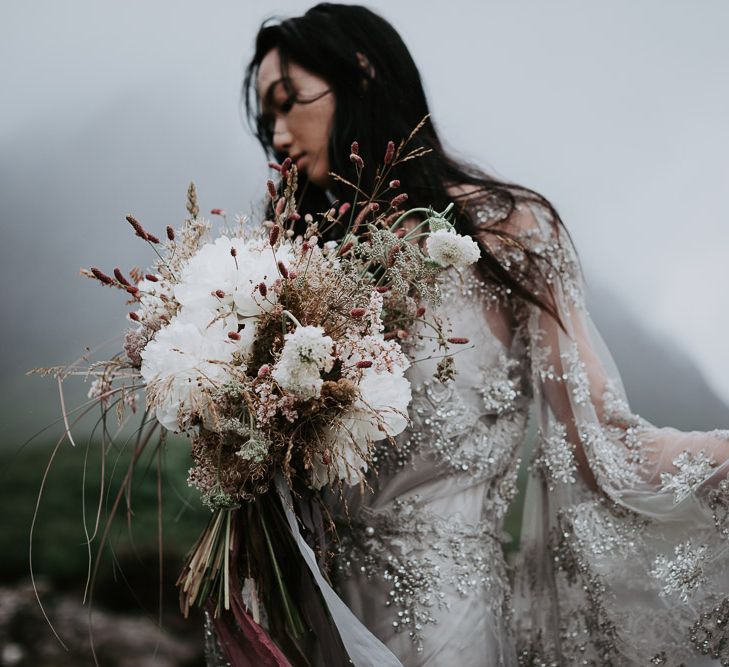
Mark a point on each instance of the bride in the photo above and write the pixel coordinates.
(624, 546)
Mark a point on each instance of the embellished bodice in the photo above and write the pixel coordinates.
(429, 529)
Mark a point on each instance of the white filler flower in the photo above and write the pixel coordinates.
(306, 352)
(451, 249)
(179, 365)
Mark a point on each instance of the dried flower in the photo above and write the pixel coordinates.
(395, 183)
(101, 276)
(365, 363)
(233, 335)
(263, 371)
(217, 211)
(344, 208)
(399, 199)
(283, 270)
(456, 340)
(219, 293)
(357, 160)
(138, 229)
(170, 233)
(271, 188)
(389, 152)
(151, 277)
(263, 289)
(355, 148)
(274, 234)
(120, 277)
(372, 207)
(357, 312)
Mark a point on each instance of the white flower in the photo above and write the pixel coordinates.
(306, 352)
(379, 411)
(179, 365)
(213, 269)
(451, 249)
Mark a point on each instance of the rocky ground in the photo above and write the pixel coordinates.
(121, 638)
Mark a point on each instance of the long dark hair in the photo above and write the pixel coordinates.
(379, 97)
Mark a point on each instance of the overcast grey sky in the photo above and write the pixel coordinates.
(617, 111)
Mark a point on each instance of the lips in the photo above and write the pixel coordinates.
(297, 159)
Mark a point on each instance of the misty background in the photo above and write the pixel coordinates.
(617, 111)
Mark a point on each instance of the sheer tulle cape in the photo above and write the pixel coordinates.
(623, 556)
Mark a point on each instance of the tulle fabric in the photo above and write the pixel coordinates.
(623, 557)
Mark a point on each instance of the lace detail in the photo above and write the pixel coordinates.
(710, 634)
(554, 457)
(425, 561)
(683, 573)
(447, 429)
(692, 471)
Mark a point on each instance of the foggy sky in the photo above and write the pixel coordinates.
(618, 112)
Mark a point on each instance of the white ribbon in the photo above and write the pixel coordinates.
(363, 648)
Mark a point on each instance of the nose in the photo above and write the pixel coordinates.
(282, 136)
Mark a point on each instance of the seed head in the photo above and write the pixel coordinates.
(456, 340)
(399, 199)
(120, 277)
(138, 229)
(344, 208)
(170, 233)
(389, 152)
(271, 188)
(101, 276)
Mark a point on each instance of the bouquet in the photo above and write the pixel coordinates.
(282, 359)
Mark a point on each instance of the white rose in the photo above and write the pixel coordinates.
(179, 364)
(213, 268)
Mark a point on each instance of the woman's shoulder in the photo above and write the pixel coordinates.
(522, 231)
(509, 211)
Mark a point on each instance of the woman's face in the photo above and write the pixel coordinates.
(300, 123)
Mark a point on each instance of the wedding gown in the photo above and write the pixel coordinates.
(629, 568)
(623, 555)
